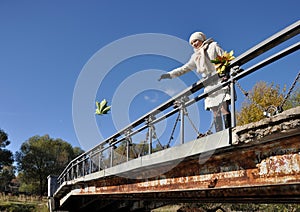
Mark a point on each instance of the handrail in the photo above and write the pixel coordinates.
(252, 53)
(275, 40)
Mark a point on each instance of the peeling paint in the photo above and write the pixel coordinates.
(280, 165)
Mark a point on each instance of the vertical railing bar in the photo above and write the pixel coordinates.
(127, 150)
(111, 156)
(232, 99)
(72, 172)
(99, 158)
(90, 164)
(77, 169)
(83, 167)
(150, 140)
(182, 123)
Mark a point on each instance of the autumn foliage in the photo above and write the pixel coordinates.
(260, 98)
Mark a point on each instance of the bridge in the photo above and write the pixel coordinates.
(257, 162)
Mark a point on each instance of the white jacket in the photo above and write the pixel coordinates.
(201, 62)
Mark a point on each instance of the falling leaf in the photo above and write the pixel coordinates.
(102, 107)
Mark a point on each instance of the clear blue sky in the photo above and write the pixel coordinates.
(44, 46)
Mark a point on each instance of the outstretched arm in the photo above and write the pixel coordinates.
(190, 65)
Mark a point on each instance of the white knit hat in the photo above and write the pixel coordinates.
(197, 36)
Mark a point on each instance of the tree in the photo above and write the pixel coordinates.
(41, 156)
(6, 176)
(6, 161)
(263, 96)
(6, 156)
(293, 100)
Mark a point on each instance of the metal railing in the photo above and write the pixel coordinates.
(104, 155)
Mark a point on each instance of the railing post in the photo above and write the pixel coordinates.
(83, 167)
(233, 71)
(100, 158)
(90, 164)
(68, 175)
(232, 93)
(150, 140)
(127, 150)
(150, 132)
(182, 110)
(128, 144)
(77, 169)
(111, 155)
(71, 173)
(182, 123)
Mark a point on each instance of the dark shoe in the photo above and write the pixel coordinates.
(227, 120)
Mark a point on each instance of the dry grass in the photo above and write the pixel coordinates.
(23, 203)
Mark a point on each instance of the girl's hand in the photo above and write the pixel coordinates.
(165, 76)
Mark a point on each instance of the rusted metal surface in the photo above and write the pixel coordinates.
(245, 173)
(275, 170)
(280, 165)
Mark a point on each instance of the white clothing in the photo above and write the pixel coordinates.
(197, 36)
(201, 61)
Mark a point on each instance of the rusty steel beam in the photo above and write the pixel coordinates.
(261, 172)
(275, 170)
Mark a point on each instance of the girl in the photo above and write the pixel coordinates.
(206, 50)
